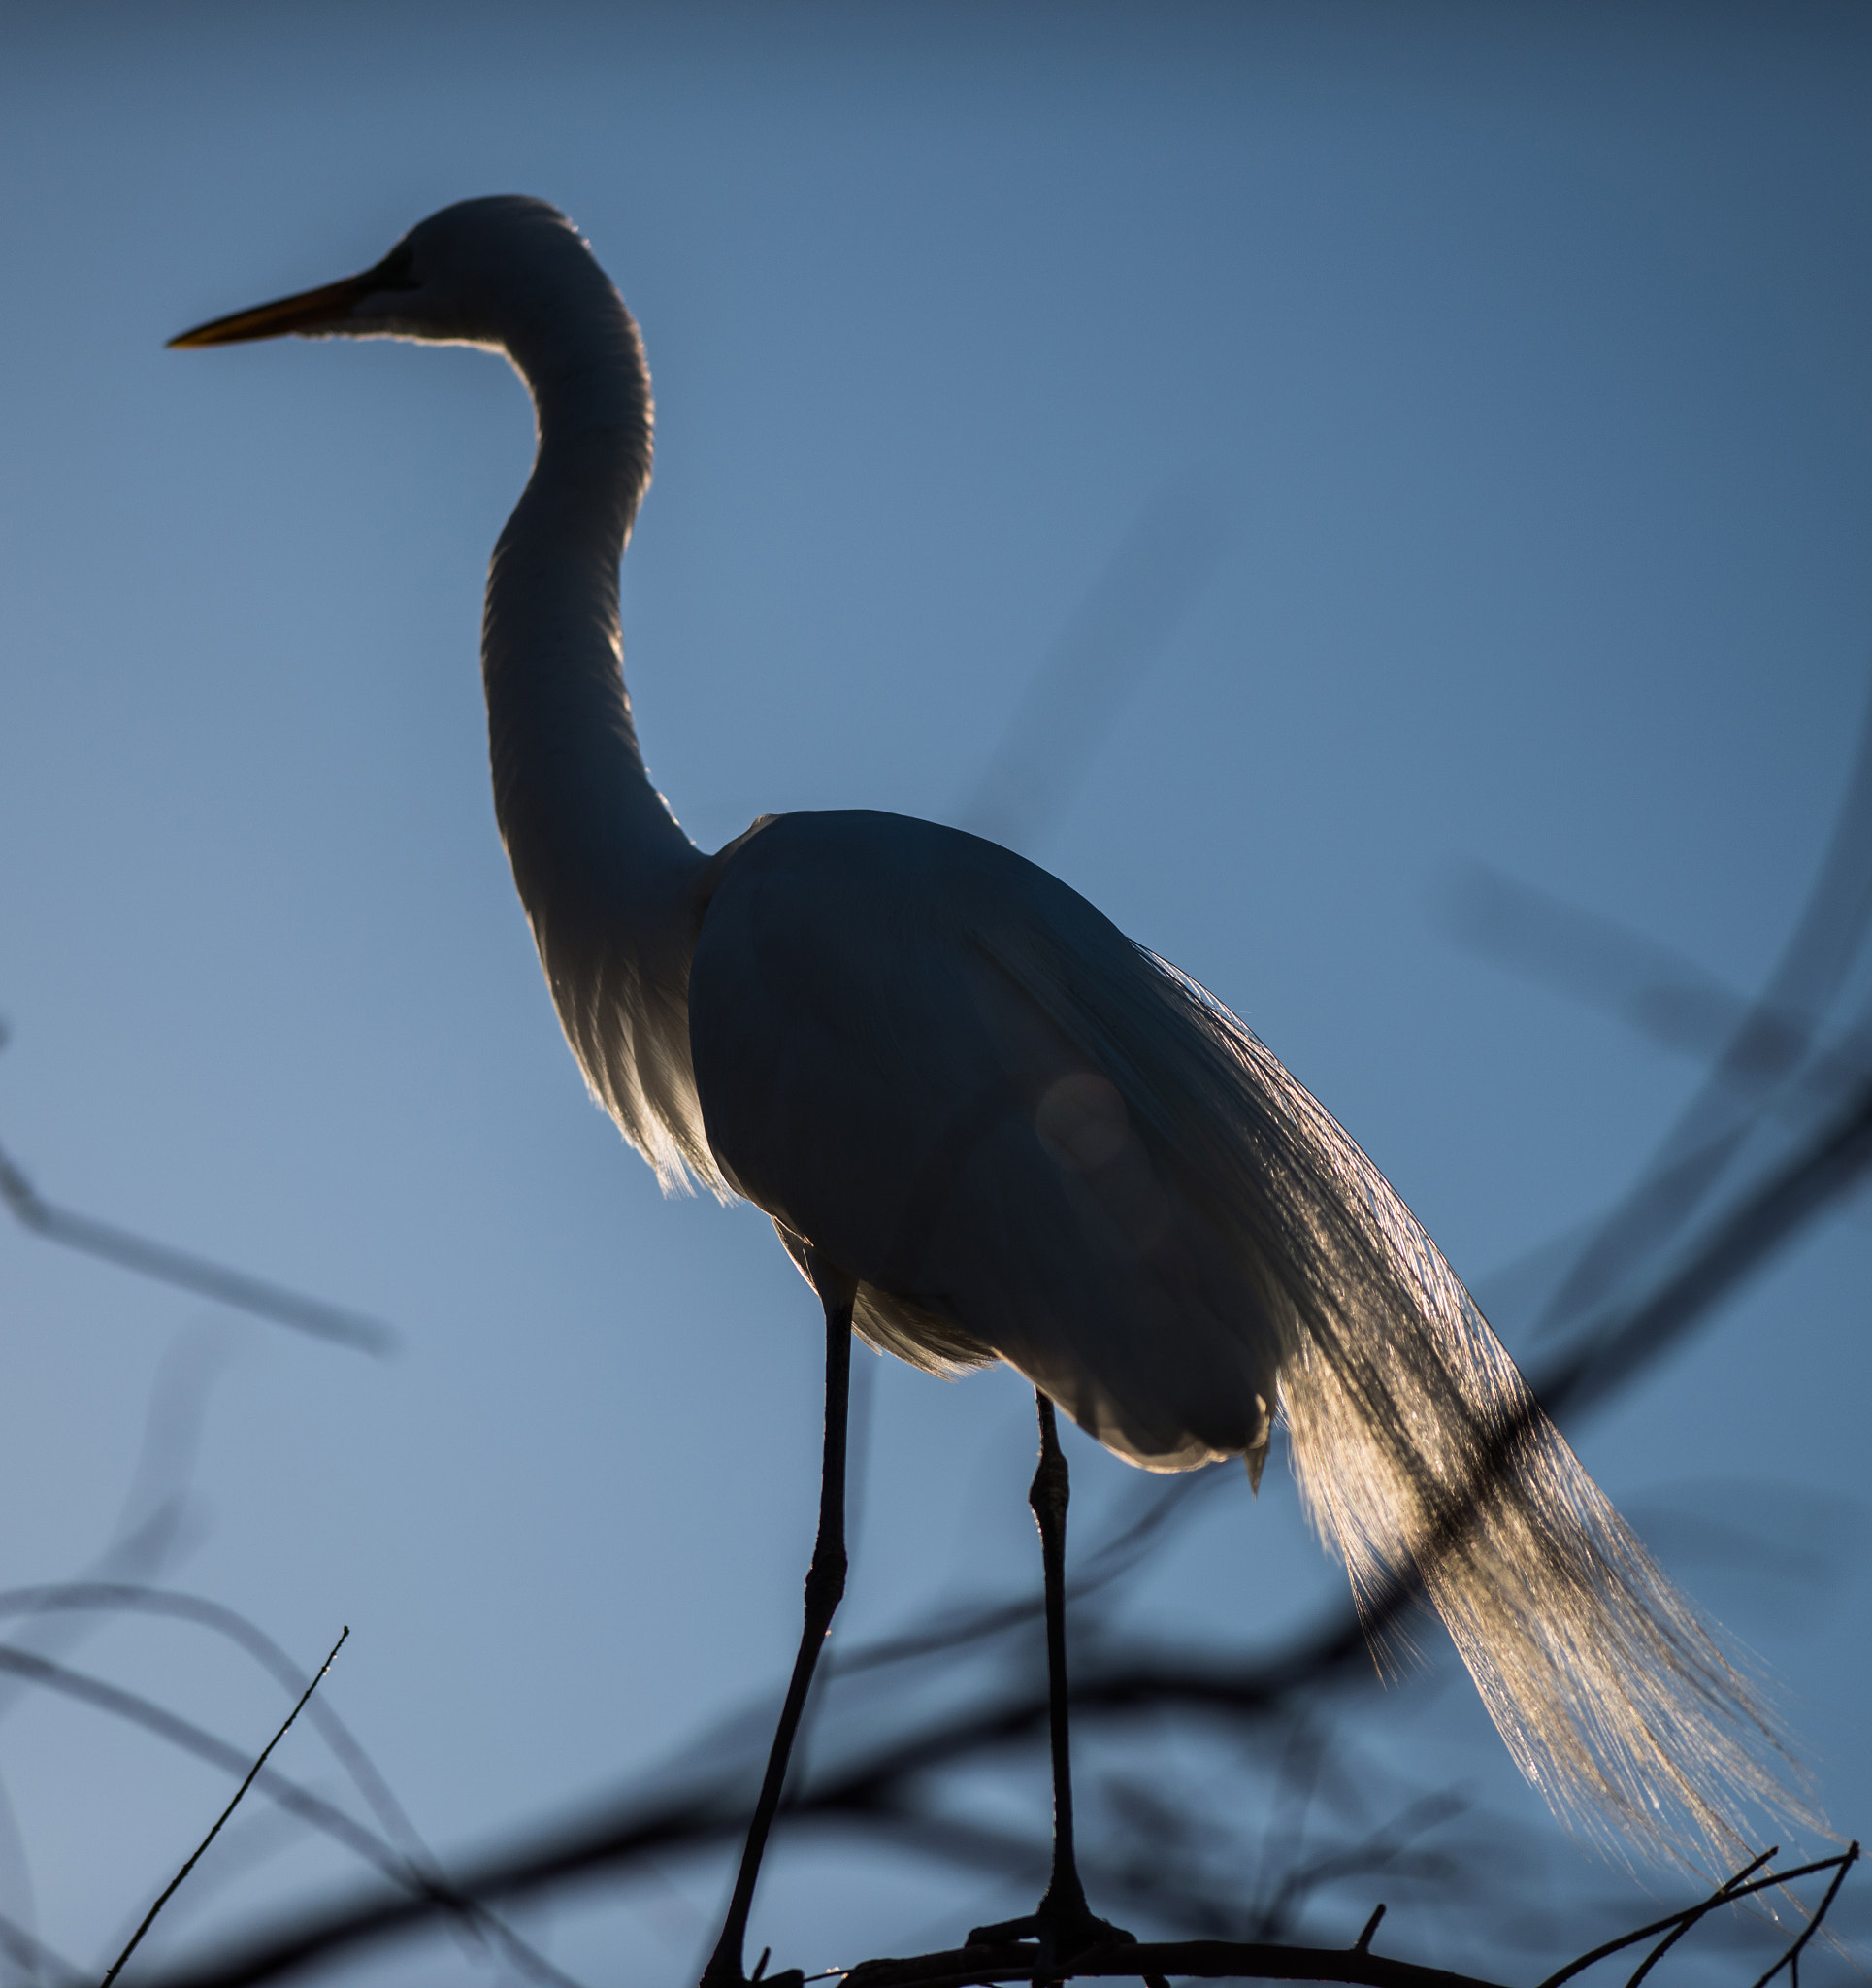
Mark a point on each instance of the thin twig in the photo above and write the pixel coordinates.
(1790, 1960)
(417, 1874)
(116, 1597)
(1721, 1895)
(149, 1917)
(1730, 1893)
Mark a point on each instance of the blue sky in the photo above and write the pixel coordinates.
(1524, 352)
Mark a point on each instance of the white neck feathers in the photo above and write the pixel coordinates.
(606, 874)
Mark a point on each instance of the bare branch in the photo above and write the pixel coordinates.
(1208, 1960)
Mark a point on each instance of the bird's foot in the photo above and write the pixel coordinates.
(1063, 1932)
(729, 1975)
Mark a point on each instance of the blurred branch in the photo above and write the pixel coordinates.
(1163, 1505)
(34, 1958)
(1762, 1052)
(118, 1598)
(152, 1526)
(1117, 632)
(139, 1710)
(1663, 994)
(188, 1273)
(1756, 1224)
(233, 1287)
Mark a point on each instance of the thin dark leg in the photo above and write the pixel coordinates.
(825, 1588)
(1065, 1903)
(1064, 1923)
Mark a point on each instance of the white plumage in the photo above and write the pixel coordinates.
(1022, 1136)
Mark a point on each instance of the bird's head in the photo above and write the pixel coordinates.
(474, 273)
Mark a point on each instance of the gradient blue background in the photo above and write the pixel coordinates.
(1529, 346)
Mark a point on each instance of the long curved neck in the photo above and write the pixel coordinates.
(587, 834)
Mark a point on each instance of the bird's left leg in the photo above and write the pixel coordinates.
(825, 1588)
(1063, 1924)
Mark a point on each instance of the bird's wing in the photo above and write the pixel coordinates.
(878, 1073)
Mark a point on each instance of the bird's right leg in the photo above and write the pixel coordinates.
(825, 1588)
(1063, 1924)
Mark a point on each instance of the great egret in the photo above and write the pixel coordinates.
(988, 1126)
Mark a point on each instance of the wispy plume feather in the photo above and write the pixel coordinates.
(1423, 1456)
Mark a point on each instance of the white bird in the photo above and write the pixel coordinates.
(989, 1126)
